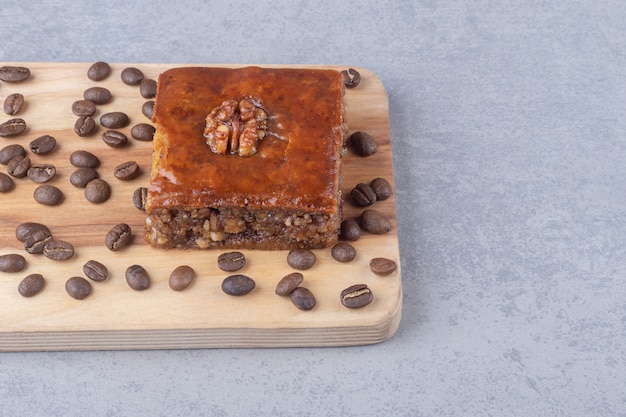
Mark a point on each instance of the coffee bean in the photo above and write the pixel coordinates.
(350, 230)
(97, 191)
(356, 296)
(48, 195)
(41, 173)
(231, 261)
(303, 298)
(6, 183)
(301, 259)
(11, 151)
(114, 120)
(143, 132)
(148, 108)
(12, 262)
(97, 95)
(31, 285)
(139, 198)
(343, 252)
(147, 88)
(13, 104)
(118, 237)
(84, 159)
(13, 74)
(126, 171)
(78, 288)
(289, 283)
(137, 278)
(351, 77)
(58, 250)
(363, 143)
(43, 145)
(84, 126)
(98, 71)
(83, 108)
(114, 138)
(238, 285)
(24, 230)
(374, 222)
(36, 241)
(95, 271)
(18, 166)
(12, 127)
(381, 188)
(181, 277)
(132, 76)
(382, 266)
(82, 176)
(363, 195)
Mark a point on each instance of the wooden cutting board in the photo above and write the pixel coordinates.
(117, 317)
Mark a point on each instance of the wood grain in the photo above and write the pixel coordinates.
(116, 317)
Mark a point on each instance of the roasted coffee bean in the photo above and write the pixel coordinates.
(48, 195)
(82, 176)
(42, 145)
(13, 104)
(363, 143)
(97, 191)
(383, 266)
(12, 127)
(289, 283)
(95, 271)
(231, 261)
(41, 173)
(126, 171)
(238, 285)
(148, 108)
(11, 151)
(18, 166)
(12, 262)
(114, 138)
(343, 252)
(58, 250)
(137, 278)
(139, 198)
(350, 230)
(132, 76)
(363, 195)
(114, 120)
(78, 288)
(143, 132)
(13, 74)
(24, 230)
(356, 296)
(84, 159)
(36, 241)
(98, 71)
(351, 77)
(118, 237)
(181, 277)
(301, 259)
(97, 95)
(84, 126)
(83, 108)
(374, 222)
(147, 88)
(6, 183)
(382, 188)
(31, 285)
(303, 298)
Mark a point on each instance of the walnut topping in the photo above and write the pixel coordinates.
(235, 127)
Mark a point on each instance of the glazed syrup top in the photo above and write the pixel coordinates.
(297, 163)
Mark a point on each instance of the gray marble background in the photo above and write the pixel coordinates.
(508, 124)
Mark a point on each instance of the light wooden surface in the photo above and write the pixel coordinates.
(116, 317)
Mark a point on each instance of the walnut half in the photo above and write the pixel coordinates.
(235, 127)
